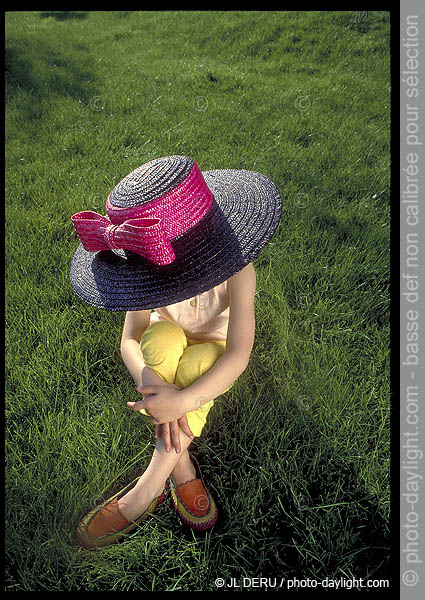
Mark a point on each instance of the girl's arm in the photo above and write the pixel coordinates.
(240, 340)
(134, 325)
(161, 403)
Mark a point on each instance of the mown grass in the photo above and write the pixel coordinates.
(297, 453)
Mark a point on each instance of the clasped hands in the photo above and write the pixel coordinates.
(165, 405)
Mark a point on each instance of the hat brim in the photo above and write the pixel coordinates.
(242, 219)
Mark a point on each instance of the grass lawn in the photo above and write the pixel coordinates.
(297, 453)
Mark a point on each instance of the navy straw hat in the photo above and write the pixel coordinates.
(172, 232)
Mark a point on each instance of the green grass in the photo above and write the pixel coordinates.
(297, 453)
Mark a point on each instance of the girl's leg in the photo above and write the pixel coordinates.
(161, 354)
(162, 346)
(152, 482)
(196, 360)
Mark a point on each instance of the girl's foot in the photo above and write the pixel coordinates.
(137, 500)
(193, 502)
(105, 524)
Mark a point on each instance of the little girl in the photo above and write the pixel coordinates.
(180, 242)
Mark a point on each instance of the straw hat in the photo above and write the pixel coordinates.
(171, 232)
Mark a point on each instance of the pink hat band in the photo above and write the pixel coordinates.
(147, 229)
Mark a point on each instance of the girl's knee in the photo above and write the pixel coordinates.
(163, 343)
(196, 361)
(162, 334)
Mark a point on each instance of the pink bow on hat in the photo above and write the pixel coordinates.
(147, 229)
(144, 236)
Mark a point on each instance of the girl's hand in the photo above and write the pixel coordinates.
(170, 433)
(164, 403)
(169, 429)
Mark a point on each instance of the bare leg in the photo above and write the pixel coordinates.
(152, 482)
(184, 469)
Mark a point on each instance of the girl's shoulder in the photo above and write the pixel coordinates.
(246, 275)
(243, 282)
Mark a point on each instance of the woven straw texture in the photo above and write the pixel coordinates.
(242, 218)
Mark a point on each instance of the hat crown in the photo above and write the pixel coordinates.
(150, 181)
